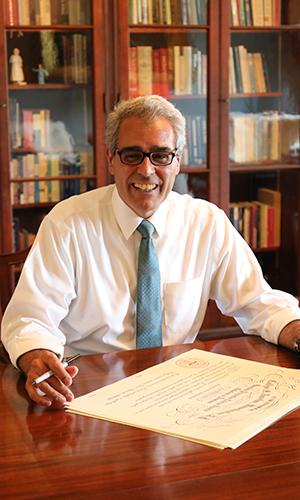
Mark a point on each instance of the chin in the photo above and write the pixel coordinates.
(144, 212)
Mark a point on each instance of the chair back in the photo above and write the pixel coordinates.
(10, 267)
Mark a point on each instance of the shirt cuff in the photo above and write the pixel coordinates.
(27, 345)
(275, 324)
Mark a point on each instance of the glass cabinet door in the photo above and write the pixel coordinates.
(264, 140)
(50, 104)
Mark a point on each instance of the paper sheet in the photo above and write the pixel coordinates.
(200, 396)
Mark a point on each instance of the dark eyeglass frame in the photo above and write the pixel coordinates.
(146, 154)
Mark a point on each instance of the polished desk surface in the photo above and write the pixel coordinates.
(53, 454)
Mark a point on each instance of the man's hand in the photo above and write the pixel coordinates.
(53, 391)
(289, 334)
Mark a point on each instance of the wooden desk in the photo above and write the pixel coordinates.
(53, 454)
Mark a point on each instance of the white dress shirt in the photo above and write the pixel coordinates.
(77, 291)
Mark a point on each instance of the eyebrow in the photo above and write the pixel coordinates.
(151, 149)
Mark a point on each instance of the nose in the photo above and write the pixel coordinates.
(146, 168)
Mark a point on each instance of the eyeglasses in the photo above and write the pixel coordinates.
(135, 157)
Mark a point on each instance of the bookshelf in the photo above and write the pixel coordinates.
(231, 67)
(51, 147)
(262, 125)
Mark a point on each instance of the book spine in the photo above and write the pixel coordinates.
(133, 75)
(164, 76)
(144, 62)
(156, 72)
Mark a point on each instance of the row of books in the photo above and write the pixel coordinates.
(259, 221)
(51, 165)
(167, 11)
(42, 165)
(34, 129)
(29, 128)
(194, 154)
(177, 70)
(247, 71)
(22, 237)
(48, 191)
(255, 12)
(270, 135)
(75, 64)
(47, 12)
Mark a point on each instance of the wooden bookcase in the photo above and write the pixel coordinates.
(223, 176)
(52, 126)
(124, 34)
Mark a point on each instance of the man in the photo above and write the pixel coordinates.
(78, 288)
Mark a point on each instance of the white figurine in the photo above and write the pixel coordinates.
(16, 72)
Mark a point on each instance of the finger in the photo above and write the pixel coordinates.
(51, 362)
(37, 395)
(53, 391)
(49, 392)
(72, 371)
(56, 389)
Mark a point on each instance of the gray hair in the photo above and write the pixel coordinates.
(147, 108)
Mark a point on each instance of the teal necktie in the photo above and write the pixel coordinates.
(148, 308)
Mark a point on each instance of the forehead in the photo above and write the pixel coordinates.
(135, 131)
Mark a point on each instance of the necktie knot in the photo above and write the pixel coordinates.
(146, 229)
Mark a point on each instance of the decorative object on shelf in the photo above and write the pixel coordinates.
(49, 51)
(16, 69)
(42, 74)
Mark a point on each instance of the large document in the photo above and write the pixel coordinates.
(208, 398)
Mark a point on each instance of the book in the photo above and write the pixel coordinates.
(178, 397)
(272, 198)
(268, 12)
(235, 21)
(12, 12)
(156, 72)
(133, 76)
(237, 69)
(293, 12)
(242, 12)
(45, 12)
(244, 65)
(144, 67)
(257, 7)
(164, 71)
(259, 76)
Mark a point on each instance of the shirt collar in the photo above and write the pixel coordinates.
(128, 220)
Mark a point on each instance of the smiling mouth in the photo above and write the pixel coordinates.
(145, 187)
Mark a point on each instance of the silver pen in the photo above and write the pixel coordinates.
(49, 373)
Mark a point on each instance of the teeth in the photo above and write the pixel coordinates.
(145, 187)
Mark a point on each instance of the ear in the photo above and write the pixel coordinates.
(109, 158)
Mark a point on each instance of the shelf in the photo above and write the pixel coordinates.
(265, 250)
(46, 86)
(255, 94)
(194, 170)
(250, 167)
(52, 178)
(50, 27)
(267, 29)
(48, 204)
(166, 28)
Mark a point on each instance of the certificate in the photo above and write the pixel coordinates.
(209, 398)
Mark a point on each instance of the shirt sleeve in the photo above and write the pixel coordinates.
(43, 295)
(240, 290)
